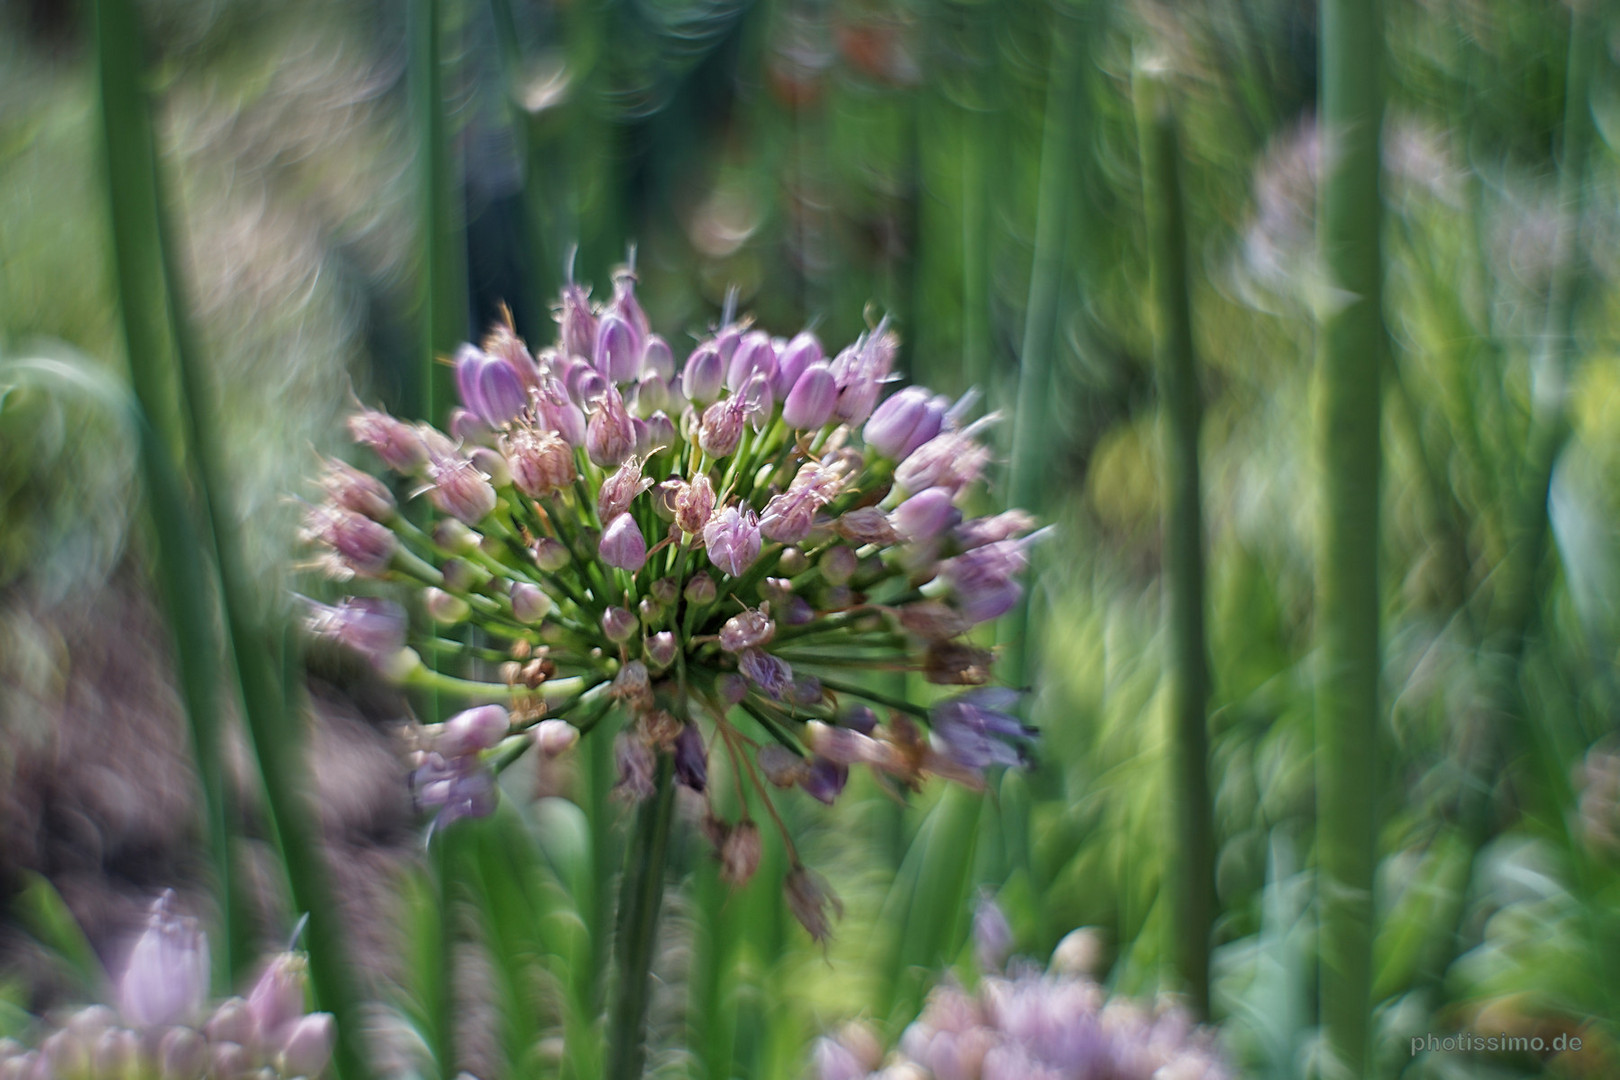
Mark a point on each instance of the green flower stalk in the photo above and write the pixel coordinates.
(701, 554)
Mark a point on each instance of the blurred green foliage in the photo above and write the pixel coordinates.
(832, 159)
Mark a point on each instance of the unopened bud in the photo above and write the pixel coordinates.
(529, 603)
(541, 463)
(691, 761)
(622, 544)
(555, 737)
(694, 504)
(444, 607)
(182, 1054)
(492, 465)
(550, 555)
(703, 374)
(308, 1046)
(660, 649)
(472, 730)
(701, 590)
(838, 565)
(618, 624)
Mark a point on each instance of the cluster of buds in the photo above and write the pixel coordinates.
(1032, 1024)
(164, 1028)
(715, 550)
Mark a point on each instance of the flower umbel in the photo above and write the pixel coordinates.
(710, 555)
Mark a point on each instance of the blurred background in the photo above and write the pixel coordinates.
(974, 170)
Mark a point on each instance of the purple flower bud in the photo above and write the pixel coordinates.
(790, 516)
(652, 395)
(308, 1046)
(394, 441)
(657, 359)
(926, 515)
(540, 462)
(460, 490)
(228, 1059)
(793, 359)
(498, 394)
(951, 460)
(745, 631)
(472, 730)
(703, 374)
(589, 386)
(722, 425)
(691, 761)
(771, 674)
(636, 764)
(617, 350)
(467, 428)
(575, 322)
(529, 604)
(835, 1061)
(971, 728)
(780, 765)
(825, 779)
(811, 400)
(165, 980)
(838, 565)
(1008, 525)
(620, 490)
(443, 607)
(231, 1022)
(623, 545)
(732, 538)
(904, 422)
(361, 545)
(805, 691)
(618, 624)
(182, 1054)
(643, 435)
(933, 620)
(550, 555)
(504, 345)
(755, 355)
(665, 590)
(861, 370)
(984, 581)
(624, 301)
(700, 590)
(459, 576)
(660, 649)
(609, 435)
(276, 1002)
(694, 504)
(660, 433)
(859, 718)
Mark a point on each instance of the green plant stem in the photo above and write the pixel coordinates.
(641, 894)
(1192, 858)
(1351, 350)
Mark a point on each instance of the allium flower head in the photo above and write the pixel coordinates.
(703, 554)
(165, 980)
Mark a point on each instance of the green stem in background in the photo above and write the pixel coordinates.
(1351, 350)
(143, 246)
(1034, 414)
(1191, 861)
(641, 895)
(443, 303)
(441, 1013)
(179, 551)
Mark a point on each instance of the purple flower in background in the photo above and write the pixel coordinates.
(972, 729)
(985, 581)
(372, 627)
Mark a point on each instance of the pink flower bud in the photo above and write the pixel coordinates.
(610, 437)
(732, 539)
(721, 428)
(361, 545)
(356, 491)
(868, 525)
(623, 545)
(276, 1002)
(665, 590)
(394, 441)
(489, 388)
(182, 1054)
(472, 730)
(810, 402)
(660, 649)
(755, 355)
(492, 465)
(703, 374)
(694, 504)
(557, 412)
(460, 489)
(700, 590)
(950, 460)
(308, 1046)
(746, 630)
(165, 980)
(793, 359)
(550, 555)
(555, 737)
(231, 1022)
(618, 624)
(529, 603)
(739, 854)
(861, 370)
(576, 324)
(620, 490)
(444, 608)
(770, 673)
(660, 432)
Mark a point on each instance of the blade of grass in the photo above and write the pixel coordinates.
(1351, 350)
(179, 553)
(1191, 860)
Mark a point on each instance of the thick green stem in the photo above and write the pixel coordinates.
(641, 895)
(1352, 345)
(1192, 859)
